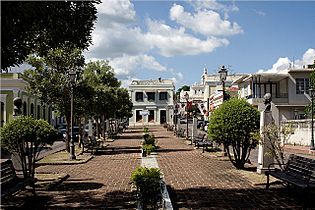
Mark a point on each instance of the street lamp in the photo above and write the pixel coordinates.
(187, 98)
(72, 76)
(223, 73)
(312, 95)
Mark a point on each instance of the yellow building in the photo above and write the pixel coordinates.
(13, 86)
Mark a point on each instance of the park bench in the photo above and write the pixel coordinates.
(202, 141)
(11, 183)
(180, 132)
(90, 144)
(298, 171)
(170, 127)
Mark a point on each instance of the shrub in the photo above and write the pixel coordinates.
(146, 130)
(148, 183)
(26, 137)
(149, 139)
(235, 124)
(148, 148)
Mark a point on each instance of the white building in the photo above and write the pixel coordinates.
(208, 92)
(152, 101)
(289, 92)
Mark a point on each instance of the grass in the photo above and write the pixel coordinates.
(49, 180)
(62, 157)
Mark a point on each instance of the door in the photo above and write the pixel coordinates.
(162, 116)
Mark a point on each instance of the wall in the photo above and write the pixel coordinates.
(301, 132)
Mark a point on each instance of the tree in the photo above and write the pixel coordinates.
(49, 81)
(26, 137)
(39, 26)
(100, 75)
(184, 88)
(235, 124)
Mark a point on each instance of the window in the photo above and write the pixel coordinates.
(151, 96)
(163, 95)
(302, 85)
(139, 96)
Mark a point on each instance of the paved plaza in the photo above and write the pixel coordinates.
(195, 180)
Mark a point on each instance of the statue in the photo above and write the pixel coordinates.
(17, 106)
(267, 102)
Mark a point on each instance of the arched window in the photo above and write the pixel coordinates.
(38, 111)
(24, 108)
(44, 112)
(49, 115)
(2, 115)
(32, 110)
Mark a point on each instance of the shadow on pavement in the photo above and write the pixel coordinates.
(259, 198)
(69, 199)
(118, 150)
(173, 150)
(131, 137)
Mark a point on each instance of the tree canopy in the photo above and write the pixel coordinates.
(39, 26)
(235, 124)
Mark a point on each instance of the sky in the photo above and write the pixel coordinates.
(177, 39)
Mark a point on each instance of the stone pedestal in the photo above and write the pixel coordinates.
(264, 151)
(194, 128)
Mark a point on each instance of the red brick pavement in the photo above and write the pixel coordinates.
(101, 183)
(197, 180)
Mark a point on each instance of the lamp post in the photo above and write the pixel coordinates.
(187, 98)
(312, 94)
(72, 76)
(223, 73)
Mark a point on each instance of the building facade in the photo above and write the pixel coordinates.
(13, 86)
(152, 101)
(289, 91)
(207, 94)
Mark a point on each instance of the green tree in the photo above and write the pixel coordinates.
(39, 26)
(49, 81)
(184, 88)
(25, 137)
(100, 75)
(235, 124)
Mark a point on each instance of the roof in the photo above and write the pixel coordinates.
(152, 82)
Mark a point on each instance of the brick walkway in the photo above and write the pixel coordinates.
(195, 180)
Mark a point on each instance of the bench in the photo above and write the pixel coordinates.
(91, 144)
(11, 183)
(298, 171)
(170, 127)
(202, 141)
(180, 132)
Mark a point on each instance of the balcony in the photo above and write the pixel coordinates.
(280, 98)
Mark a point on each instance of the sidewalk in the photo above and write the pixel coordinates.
(195, 180)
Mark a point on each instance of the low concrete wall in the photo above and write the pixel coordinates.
(301, 132)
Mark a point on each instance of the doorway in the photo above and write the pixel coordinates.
(162, 116)
(151, 116)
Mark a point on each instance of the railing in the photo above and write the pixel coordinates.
(278, 95)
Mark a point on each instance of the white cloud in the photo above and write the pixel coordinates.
(260, 13)
(171, 41)
(283, 64)
(206, 22)
(214, 5)
(128, 65)
(119, 11)
(118, 40)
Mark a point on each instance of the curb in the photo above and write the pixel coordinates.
(66, 162)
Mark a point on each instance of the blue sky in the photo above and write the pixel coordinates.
(176, 39)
